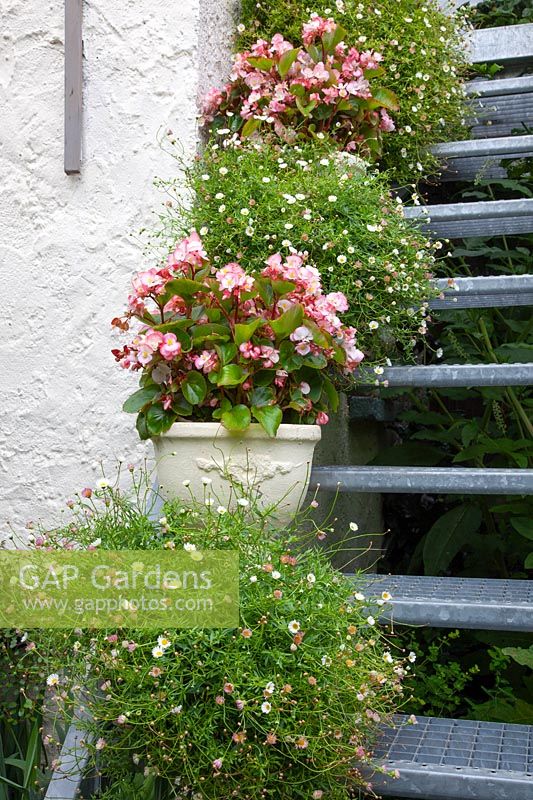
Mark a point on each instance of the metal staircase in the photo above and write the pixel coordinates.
(443, 758)
(439, 759)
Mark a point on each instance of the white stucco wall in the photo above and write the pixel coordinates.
(68, 244)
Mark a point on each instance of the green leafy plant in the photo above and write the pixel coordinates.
(230, 346)
(423, 54)
(312, 199)
(321, 89)
(493, 13)
(298, 688)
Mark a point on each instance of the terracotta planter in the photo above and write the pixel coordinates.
(278, 469)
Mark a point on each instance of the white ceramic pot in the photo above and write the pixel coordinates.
(277, 469)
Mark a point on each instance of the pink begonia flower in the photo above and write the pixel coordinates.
(145, 283)
(210, 103)
(280, 45)
(304, 387)
(338, 301)
(170, 346)
(301, 334)
(250, 350)
(233, 279)
(270, 354)
(316, 27)
(207, 361)
(386, 123)
(322, 418)
(152, 338)
(359, 87)
(145, 354)
(167, 401)
(190, 250)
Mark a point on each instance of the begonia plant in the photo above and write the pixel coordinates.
(321, 88)
(221, 344)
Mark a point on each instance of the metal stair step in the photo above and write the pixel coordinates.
(421, 480)
(456, 758)
(442, 602)
(458, 375)
(464, 160)
(69, 774)
(484, 292)
(500, 107)
(505, 44)
(487, 218)
(503, 147)
(500, 87)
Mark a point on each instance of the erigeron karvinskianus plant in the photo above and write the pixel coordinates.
(221, 344)
(322, 89)
(286, 706)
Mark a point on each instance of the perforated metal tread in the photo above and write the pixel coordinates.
(487, 218)
(448, 758)
(419, 480)
(440, 602)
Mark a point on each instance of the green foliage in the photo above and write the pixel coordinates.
(254, 202)
(424, 62)
(493, 13)
(304, 679)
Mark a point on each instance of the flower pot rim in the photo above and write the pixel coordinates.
(215, 430)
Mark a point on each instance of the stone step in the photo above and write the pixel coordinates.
(443, 759)
(442, 602)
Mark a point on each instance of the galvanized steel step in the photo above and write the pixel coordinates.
(449, 758)
(485, 292)
(500, 107)
(441, 602)
(421, 480)
(464, 160)
(505, 45)
(487, 218)
(464, 375)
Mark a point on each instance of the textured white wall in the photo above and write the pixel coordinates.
(68, 244)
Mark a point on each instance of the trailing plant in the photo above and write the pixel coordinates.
(225, 345)
(424, 56)
(321, 89)
(251, 201)
(296, 691)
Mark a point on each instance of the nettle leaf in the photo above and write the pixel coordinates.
(158, 420)
(269, 418)
(237, 418)
(288, 322)
(139, 399)
(448, 535)
(261, 63)
(231, 375)
(194, 388)
(249, 127)
(244, 332)
(386, 98)
(287, 60)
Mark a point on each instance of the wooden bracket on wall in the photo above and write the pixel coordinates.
(73, 86)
